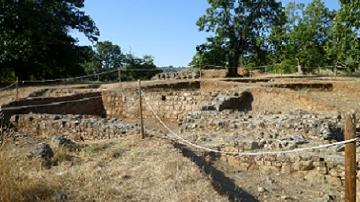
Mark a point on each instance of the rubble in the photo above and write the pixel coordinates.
(177, 75)
(74, 126)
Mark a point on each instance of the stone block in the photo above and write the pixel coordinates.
(267, 170)
(303, 165)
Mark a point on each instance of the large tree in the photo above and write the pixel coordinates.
(34, 36)
(343, 48)
(237, 25)
(109, 54)
(303, 37)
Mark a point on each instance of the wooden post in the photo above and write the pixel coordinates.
(17, 88)
(335, 70)
(140, 111)
(350, 159)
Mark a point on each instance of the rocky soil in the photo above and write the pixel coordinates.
(263, 130)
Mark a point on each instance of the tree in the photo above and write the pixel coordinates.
(237, 25)
(308, 35)
(343, 48)
(208, 55)
(91, 63)
(140, 68)
(110, 55)
(34, 36)
(301, 38)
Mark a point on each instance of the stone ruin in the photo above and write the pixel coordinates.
(240, 117)
(194, 74)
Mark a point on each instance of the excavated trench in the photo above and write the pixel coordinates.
(170, 100)
(173, 101)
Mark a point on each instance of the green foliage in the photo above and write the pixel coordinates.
(110, 55)
(305, 36)
(35, 42)
(91, 63)
(343, 48)
(237, 26)
(208, 56)
(106, 56)
(308, 34)
(139, 68)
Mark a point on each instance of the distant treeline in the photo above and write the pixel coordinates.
(296, 37)
(35, 40)
(35, 44)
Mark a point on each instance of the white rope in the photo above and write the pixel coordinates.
(187, 142)
(122, 70)
(7, 87)
(70, 79)
(90, 75)
(49, 104)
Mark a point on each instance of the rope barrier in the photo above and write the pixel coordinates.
(112, 71)
(71, 78)
(7, 87)
(90, 75)
(49, 104)
(187, 142)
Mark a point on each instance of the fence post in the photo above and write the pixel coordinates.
(17, 88)
(141, 112)
(350, 158)
(335, 70)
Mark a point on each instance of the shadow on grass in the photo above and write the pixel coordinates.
(222, 184)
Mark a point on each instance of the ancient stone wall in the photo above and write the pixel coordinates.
(83, 104)
(177, 75)
(169, 105)
(174, 104)
(330, 168)
(74, 126)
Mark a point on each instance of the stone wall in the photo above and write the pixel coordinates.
(74, 126)
(169, 105)
(177, 75)
(89, 104)
(170, 102)
(329, 168)
(173, 104)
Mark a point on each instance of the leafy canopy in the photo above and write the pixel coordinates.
(237, 25)
(35, 40)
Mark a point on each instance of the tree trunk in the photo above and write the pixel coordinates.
(20, 71)
(233, 65)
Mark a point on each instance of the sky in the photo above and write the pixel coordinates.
(165, 29)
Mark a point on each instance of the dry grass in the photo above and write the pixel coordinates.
(16, 186)
(126, 169)
(131, 169)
